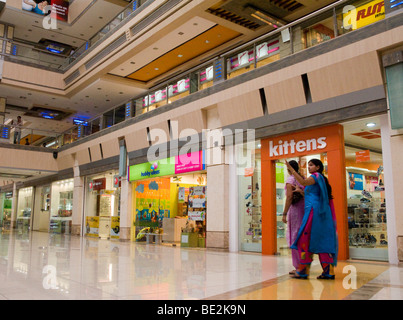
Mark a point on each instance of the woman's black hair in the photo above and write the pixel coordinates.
(294, 165)
(319, 164)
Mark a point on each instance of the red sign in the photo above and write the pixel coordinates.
(60, 9)
(362, 156)
(97, 184)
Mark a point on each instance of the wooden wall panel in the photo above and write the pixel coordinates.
(195, 121)
(350, 75)
(83, 156)
(95, 153)
(110, 148)
(240, 108)
(159, 133)
(136, 140)
(285, 95)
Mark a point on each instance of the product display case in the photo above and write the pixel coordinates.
(61, 223)
(367, 222)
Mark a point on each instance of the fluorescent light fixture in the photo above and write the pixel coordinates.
(267, 19)
(371, 124)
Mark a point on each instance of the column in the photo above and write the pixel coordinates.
(14, 207)
(217, 216)
(78, 201)
(125, 208)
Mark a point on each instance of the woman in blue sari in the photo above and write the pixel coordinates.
(318, 232)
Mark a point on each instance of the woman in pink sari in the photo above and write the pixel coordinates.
(293, 212)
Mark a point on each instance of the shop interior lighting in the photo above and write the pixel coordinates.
(371, 124)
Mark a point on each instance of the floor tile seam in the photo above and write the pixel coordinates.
(249, 289)
(366, 291)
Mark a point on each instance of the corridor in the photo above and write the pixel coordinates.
(43, 266)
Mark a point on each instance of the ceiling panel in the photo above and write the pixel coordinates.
(187, 51)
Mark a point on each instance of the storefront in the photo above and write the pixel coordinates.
(102, 205)
(169, 199)
(61, 206)
(24, 209)
(6, 204)
(352, 156)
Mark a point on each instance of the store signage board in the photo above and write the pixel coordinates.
(364, 15)
(303, 143)
(362, 156)
(197, 215)
(186, 163)
(97, 184)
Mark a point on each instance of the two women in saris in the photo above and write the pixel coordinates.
(318, 231)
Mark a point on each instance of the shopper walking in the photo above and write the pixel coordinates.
(318, 231)
(17, 125)
(293, 211)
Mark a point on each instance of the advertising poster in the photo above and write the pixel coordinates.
(92, 226)
(58, 8)
(115, 227)
(152, 202)
(356, 181)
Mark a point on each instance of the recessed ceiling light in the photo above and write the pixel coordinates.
(180, 55)
(207, 41)
(156, 69)
(99, 88)
(155, 48)
(181, 33)
(132, 62)
(371, 124)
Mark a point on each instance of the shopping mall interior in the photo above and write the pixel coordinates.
(143, 147)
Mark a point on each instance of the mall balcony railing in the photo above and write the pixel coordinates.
(31, 54)
(315, 28)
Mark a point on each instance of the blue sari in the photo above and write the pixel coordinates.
(324, 232)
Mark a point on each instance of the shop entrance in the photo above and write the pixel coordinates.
(102, 205)
(326, 144)
(171, 210)
(41, 216)
(169, 199)
(366, 205)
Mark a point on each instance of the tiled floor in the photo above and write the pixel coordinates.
(41, 266)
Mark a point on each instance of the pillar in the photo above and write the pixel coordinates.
(78, 201)
(217, 216)
(125, 208)
(14, 207)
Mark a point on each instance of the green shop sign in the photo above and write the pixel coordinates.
(153, 169)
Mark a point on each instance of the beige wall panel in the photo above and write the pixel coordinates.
(110, 148)
(76, 8)
(351, 75)
(136, 140)
(159, 133)
(95, 152)
(30, 160)
(65, 162)
(15, 3)
(188, 123)
(279, 97)
(240, 108)
(83, 156)
(30, 77)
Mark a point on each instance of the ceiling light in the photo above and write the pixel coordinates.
(265, 17)
(180, 55)
(207, 41)
(156, 69)
(371, 124)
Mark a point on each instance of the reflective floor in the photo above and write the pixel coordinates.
(41, 266)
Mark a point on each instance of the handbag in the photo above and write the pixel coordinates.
(296, 197)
